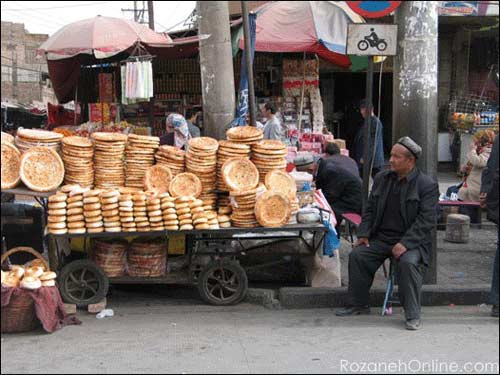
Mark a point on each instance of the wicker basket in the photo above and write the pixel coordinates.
(19, 315)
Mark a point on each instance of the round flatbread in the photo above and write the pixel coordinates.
(109, 137)
(39, 135)
(11, 163)
(41, 169)
(240, 174)
(185, 184)
(6, 137)
(273, 209)
(157, 179)
(281, 182)
(75, 141)
(244, 132)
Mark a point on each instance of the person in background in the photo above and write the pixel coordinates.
(333, 155)
(376, 140)
(273, 128)
(177, 131)
(489, 200)
(191, 117)
(339, 180)
(397, 222)
(477, 158)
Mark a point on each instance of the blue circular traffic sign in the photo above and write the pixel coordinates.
(373, 9)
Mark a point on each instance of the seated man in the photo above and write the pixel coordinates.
(339, 180)
(397, 222)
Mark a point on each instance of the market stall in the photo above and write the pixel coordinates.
(223, 196)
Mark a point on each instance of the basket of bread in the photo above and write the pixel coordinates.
(19, 314)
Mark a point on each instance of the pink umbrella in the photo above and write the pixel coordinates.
(101, 37)
(305, 26)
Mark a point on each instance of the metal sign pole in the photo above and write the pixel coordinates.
(248, 57)
(367, 135)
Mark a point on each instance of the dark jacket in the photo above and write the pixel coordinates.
(341, 161)
(376, 138)
(342, 189)
(419, 198)
(167, 139)
(489, 183)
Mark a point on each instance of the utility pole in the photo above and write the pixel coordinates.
(136, 16)
(216, 63)
(415, 87)
(249, 63)
(138, 13)
(151, 21)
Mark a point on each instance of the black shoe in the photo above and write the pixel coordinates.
(353, 310)
(494, 311)
(413, 324)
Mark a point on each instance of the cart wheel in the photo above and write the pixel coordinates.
(83, 283)
(223, 283)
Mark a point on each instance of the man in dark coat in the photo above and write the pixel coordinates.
(489, 199)
(338, 178)
(397, 222)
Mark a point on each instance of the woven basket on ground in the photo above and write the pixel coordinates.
(19, 315)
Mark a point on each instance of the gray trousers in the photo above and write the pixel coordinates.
(364, 263)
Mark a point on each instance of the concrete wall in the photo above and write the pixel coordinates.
(19, 47)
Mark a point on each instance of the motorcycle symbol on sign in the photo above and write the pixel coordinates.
(372, 40)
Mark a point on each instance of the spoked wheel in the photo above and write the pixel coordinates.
(223, 283)
(83, 283)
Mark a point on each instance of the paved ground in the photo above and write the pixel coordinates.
(152, 332)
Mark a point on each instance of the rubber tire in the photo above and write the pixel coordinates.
(228, 264)
(100, 276)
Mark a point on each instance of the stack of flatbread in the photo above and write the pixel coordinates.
(228, 150)
(224, 204)
(199, 217)
(75, 209)
(140, 154)
(57, 214)
(184, 213)
(41, 169)
(224, 221)
(109, 156)
(248, 135)
(111, 256)
(126, 208)
(173, 158)
(28, 138)
(201, 160)
(147, 258)
(110, 210)
(273, 209)
(169, 213)
(269, 155)
(78, 157)
(243, 203)
(155, 214)
(141, 212)
(11, 165)
(92, 211)
(282, 182)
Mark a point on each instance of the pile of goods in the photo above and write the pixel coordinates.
(248, 135)
(269, 156)
(28, 138)
(111, 256)
(173, 158)
(92, 212)
(282, 182)
(78, 158)
(228, 150)
(32, 276)
(147, 258)
(110, 211)
(201, 160)
(140, 154)
(109, 152)
(11, 163)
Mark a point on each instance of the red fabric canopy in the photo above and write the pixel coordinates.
(288, 26)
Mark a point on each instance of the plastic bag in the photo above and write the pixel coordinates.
(332, 241)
